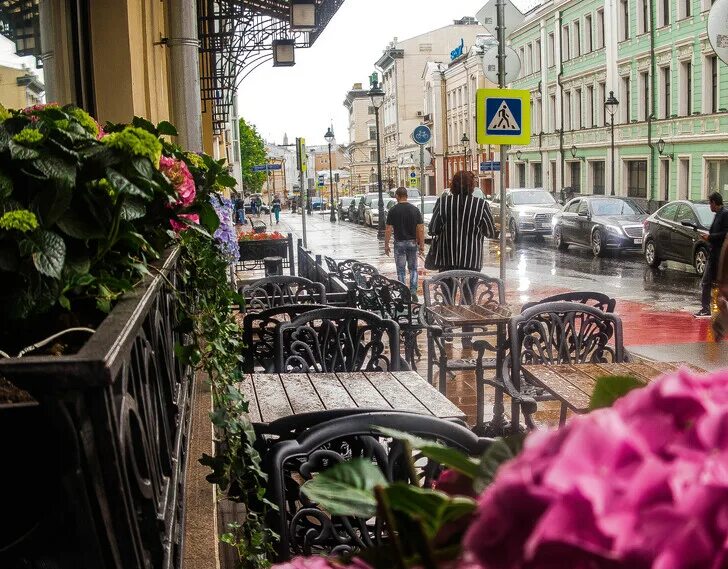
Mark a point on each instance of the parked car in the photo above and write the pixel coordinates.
(371, 212)
(365, 202)
(354, 208)
(343, 207)
(430, 202)
(673, 233)
(529, 211)
(601, 223)
(318, 204)
(412, 193)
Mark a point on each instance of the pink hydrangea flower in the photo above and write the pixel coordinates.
(181, 179)
(317, 562)
(643, 484)
(180, 227)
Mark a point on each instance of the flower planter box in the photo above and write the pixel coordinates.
(252, 252)
(109, 438)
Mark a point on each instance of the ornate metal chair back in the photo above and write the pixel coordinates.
(338, 340)
(394, 299)
(304, 528)
(280, 291)
(260, 330)
(363, 273)
(463, 287)
(596, 299)
(346, 273)
(331, 265)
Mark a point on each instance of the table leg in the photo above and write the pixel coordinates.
(497, 426)
(562, 415)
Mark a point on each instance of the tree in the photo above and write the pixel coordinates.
(252, 152)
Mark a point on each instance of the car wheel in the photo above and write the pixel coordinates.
(561, 245)
(514, 231)
(598, 245)
(701, 260)
(651, 254)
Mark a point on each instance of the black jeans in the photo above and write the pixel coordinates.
(706, 285)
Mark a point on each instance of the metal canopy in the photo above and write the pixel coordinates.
(236, 37)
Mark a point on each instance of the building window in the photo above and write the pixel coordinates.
(597, 175)
(626, 98)
(521, 174)
(575, 176)
(551, 50)
(623, 20)
(536, 117)
(537, 56)
(530, 66)
(683, 9)
(636, 178)
(665, 179)
(588, 46)
(552, 113)
(566, 118)
(686, 88)
(644, 86)
(665, 87)
(600, 28)
(372, 156)
(577, 110)
(522, 55)
(370, 110)
(536, 175)
(710, 89)
(683, 182)
(602, 99)
(643, 17)
(589, 123)
(372, 133)
(565, 43)
(577, 38)
(717, 177)
(663, 13)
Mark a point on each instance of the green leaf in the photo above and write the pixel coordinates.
(208, 217)
(608, 389)
(20, 152)
(145, 124)
(56, 169)
(52, 202)
(430, 507)
(165, 127)
(6, 187)
(144, 167)
(226, 180)
(501, 450)
(133, 208)
(124, 186)
(49, 253)
(75, 223)
(445, 456)
(347, 489)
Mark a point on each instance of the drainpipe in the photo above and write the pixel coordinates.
(540, 130)
(651, 115)
(183, 46)
(561, 106)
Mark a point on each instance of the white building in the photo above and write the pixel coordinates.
(361, 151)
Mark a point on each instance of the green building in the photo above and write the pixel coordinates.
(671, 121)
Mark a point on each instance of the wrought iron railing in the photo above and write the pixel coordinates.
(96, 474)
(311, 266)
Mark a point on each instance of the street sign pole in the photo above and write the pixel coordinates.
(302, 167)
(500, 27)
(422, 179)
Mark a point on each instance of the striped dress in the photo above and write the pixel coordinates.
(458, 226)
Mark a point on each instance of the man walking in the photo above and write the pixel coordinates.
(277, 208)
(715, 238)
(405, 220)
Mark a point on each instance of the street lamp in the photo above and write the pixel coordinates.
(377, 97)
(329, 136)
(611, 105)
(661, 149)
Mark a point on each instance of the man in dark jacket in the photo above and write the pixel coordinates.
(715, 238)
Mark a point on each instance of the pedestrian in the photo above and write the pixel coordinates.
(239, 211)
(405, 221)
(253, 205)
(715, 238)
(459, 223)
(276, 206)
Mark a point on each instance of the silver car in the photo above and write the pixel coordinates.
(529, 211)
(371, 211)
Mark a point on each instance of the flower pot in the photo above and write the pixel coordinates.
(254, 251)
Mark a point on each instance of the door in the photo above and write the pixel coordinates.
(568, 221)
(582, 230)
(665, 221)
(684, 238)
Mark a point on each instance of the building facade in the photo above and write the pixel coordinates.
(401, 67)
(361, 152)
(671, 120)
(20, 88)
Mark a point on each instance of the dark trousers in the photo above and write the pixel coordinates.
(706, 285)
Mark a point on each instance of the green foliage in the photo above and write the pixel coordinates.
(252, 152)
(608, 389)
(499, 452)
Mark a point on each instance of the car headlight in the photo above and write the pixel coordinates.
(554, 221)
(614, 229)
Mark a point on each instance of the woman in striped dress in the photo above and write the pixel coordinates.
(459, 223)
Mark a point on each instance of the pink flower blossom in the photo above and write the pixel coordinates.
(319, 563)
(643, 484)
(181, 179)
(180, 227)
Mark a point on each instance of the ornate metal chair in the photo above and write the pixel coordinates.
(260, 330)
(331, 265)
(557, 333)
(305, 529)
(596, 299)
(346, 273)
(282, 290)
(338, 340)
(363, 273)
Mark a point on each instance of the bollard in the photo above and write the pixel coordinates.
(273, 266)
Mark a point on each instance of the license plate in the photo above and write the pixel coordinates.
(638, 241)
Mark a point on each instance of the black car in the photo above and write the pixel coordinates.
(673, 233)
(343, 208)
(600, 223)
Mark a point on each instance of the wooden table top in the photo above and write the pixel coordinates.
(573, 384)
(470, 314)
(274, 396)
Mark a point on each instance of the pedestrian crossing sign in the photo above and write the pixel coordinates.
(503, 116)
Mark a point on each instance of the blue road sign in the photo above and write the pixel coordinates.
(503, 116)
(490, 166)
(266, 167)
(422, 134)
(413, 175)
(321, 180)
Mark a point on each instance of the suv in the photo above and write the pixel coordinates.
(343, 208)
(529, 211)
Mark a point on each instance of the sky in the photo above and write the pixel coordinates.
(304, 99)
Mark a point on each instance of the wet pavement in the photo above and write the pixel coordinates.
(655, 305)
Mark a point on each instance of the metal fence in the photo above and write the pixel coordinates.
(311, 266)
(93, 471)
